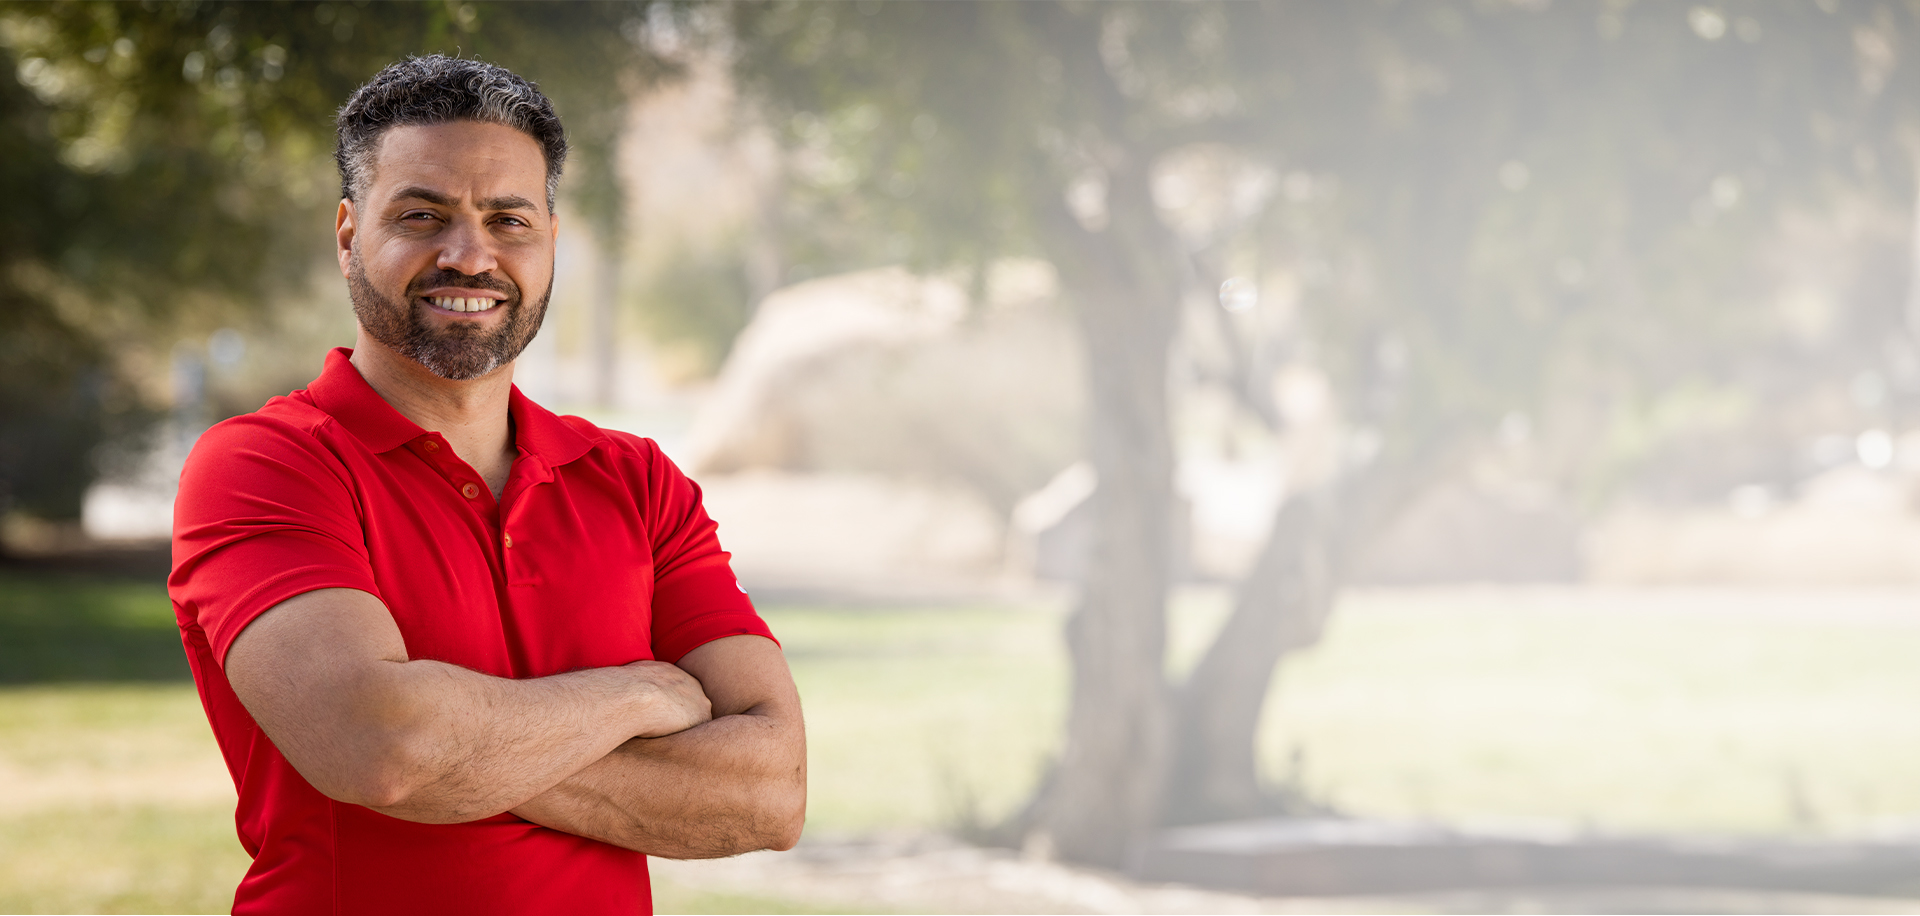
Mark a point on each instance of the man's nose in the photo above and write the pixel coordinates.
(466, 248)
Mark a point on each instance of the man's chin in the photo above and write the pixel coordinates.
(460, 367)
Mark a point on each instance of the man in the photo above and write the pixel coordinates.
(461, 654)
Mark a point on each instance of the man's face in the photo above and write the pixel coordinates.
(447, 239)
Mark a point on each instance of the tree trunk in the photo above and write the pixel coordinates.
(1280, 606)
(606, 315)
(1913, 247)
(600, 196)
(1102, 797)
(1109, 775)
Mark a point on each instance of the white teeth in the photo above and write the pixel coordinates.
(453, 304)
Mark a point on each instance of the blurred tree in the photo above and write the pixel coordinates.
(1494, 209)
(1885, 162)
(176, 157)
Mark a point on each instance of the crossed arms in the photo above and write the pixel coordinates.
(703, 759)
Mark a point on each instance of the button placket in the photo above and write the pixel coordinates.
(513, 517)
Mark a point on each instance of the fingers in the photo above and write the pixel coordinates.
(674, 701)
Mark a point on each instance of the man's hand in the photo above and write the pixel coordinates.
(326, 675)
(680, 702)
(732, 785)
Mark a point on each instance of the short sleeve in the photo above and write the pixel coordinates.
(696, 598)
(265, 512)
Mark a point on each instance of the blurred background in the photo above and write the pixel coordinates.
(1390, 456)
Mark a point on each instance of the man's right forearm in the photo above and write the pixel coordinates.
(327, 676)
(459, 746)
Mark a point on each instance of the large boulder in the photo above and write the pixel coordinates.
(890, 373)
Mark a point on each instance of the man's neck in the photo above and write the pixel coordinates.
(471, 414)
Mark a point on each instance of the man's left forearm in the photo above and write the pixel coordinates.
(732, 785)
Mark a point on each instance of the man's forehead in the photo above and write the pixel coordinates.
(456, 161)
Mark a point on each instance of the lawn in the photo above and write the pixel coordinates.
(1674, 711)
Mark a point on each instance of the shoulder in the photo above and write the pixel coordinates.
(286, 430)
(287, 414)
(616, 444)
(637, 460)
(289, 419)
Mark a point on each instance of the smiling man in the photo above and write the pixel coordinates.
(461, 654)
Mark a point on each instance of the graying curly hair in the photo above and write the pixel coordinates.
(437, 89)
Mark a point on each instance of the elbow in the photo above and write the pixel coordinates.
(772, 817)
(391, 777)
(786, 818)
(406, 801)
(380, 782)
(377, 786)
(781, 834)
(787, 837)
(378, 796)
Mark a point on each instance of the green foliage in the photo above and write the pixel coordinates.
(58, 402)
(172, 164)
(697, 304)
(1486, 204)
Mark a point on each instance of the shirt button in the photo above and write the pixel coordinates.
(470, 490)
(431, 446)
(508, 539)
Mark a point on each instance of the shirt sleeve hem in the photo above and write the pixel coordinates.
(271, 593)
(675, 646)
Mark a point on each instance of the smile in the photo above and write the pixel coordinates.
(453, 304)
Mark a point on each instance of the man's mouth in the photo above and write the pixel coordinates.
(454, 304)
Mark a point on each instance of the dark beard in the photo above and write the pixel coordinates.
(461, 352)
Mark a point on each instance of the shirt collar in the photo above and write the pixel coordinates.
(348, 399)
(346, 396)
(539, 431)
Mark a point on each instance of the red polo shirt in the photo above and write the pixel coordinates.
(598, 553)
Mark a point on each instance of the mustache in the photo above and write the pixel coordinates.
(486, 281)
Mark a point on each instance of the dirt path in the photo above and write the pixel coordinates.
(930, 874)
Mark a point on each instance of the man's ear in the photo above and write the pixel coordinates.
(343, 227)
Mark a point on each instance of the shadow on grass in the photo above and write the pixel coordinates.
(65, 625)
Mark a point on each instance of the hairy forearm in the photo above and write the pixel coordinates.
(730, 786)
(453, 745)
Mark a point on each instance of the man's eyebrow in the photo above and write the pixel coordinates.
(427, 194)
(506, 202)
(503, 202)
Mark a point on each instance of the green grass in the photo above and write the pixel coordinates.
(120, 859)
(67, 628)
(1465, 706)
(923, 719)
(103, 728)
(1447, 704)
